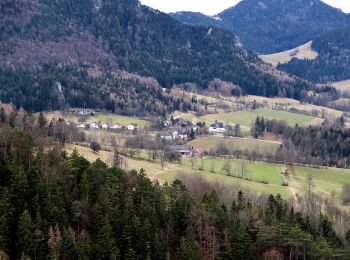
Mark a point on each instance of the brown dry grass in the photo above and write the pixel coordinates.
(153, 170)
(342, 85)
(302, 52)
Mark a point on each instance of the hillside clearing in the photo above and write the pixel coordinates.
(103, 117)
(302, 52)
(341, 85)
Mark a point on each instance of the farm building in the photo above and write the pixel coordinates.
(217, 128)
(94, 126)
(105, 126)
(184, 150)
(132, 127)
(116, 127)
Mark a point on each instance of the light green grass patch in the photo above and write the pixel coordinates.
(271, 188)
(329, 180)
(247, 118)
(212, 142)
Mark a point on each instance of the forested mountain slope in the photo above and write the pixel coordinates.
(332, 63)
(270, 26)
(40, 35)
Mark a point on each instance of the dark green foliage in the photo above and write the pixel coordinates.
(325, 145)
(188, 249)
(2, 115)
(272, 26)
(25, 234)
(332, 63)
(258, 129)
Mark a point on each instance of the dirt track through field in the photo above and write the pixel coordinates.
(252, 139)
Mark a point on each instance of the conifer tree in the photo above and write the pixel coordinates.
(6, 215)
(188, 249)
(2, 115)
(25, 234)
(42, 121)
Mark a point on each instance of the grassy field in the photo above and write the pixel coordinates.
(100, 117)
(325, 181)
(302, 52)
(212, 142)
(246, 118)
(258, 172)
(342, 85)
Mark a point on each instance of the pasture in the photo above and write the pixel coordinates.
(103, 117)
(247, 118)
(235, 144)
(302, 52)
(342, 85)
(326, 180)
(258, 176)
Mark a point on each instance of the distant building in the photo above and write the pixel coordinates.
(166, 137)
(105, 126)
(200, 152)
(217, 128)
(132, 127)
(84, 112)
(167, 123)
(94, 126)
(116, 127)
(183, 137)
(184, 150)
(175, 135)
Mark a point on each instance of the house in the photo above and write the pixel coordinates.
(81, 126)
(167, 123)
(200, 152)
(116, 127)
(184, 150)
(175, 135)
(105, 126)
(84, 112)
(166, 137)
(132, 127)
(94, 126)
(183, 137)
(217, 128)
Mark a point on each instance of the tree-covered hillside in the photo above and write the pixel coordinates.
(54, 88)
(124, 35)
(270, 26)
(332, 63)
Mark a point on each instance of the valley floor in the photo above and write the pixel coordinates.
(257, 176)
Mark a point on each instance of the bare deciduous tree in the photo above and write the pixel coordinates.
(346, 194)
(227, 168)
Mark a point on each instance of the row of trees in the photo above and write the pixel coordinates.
(325, 145)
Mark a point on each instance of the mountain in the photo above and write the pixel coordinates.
(333, 60)
(120, 35)
(270, 26)
(195, 18)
